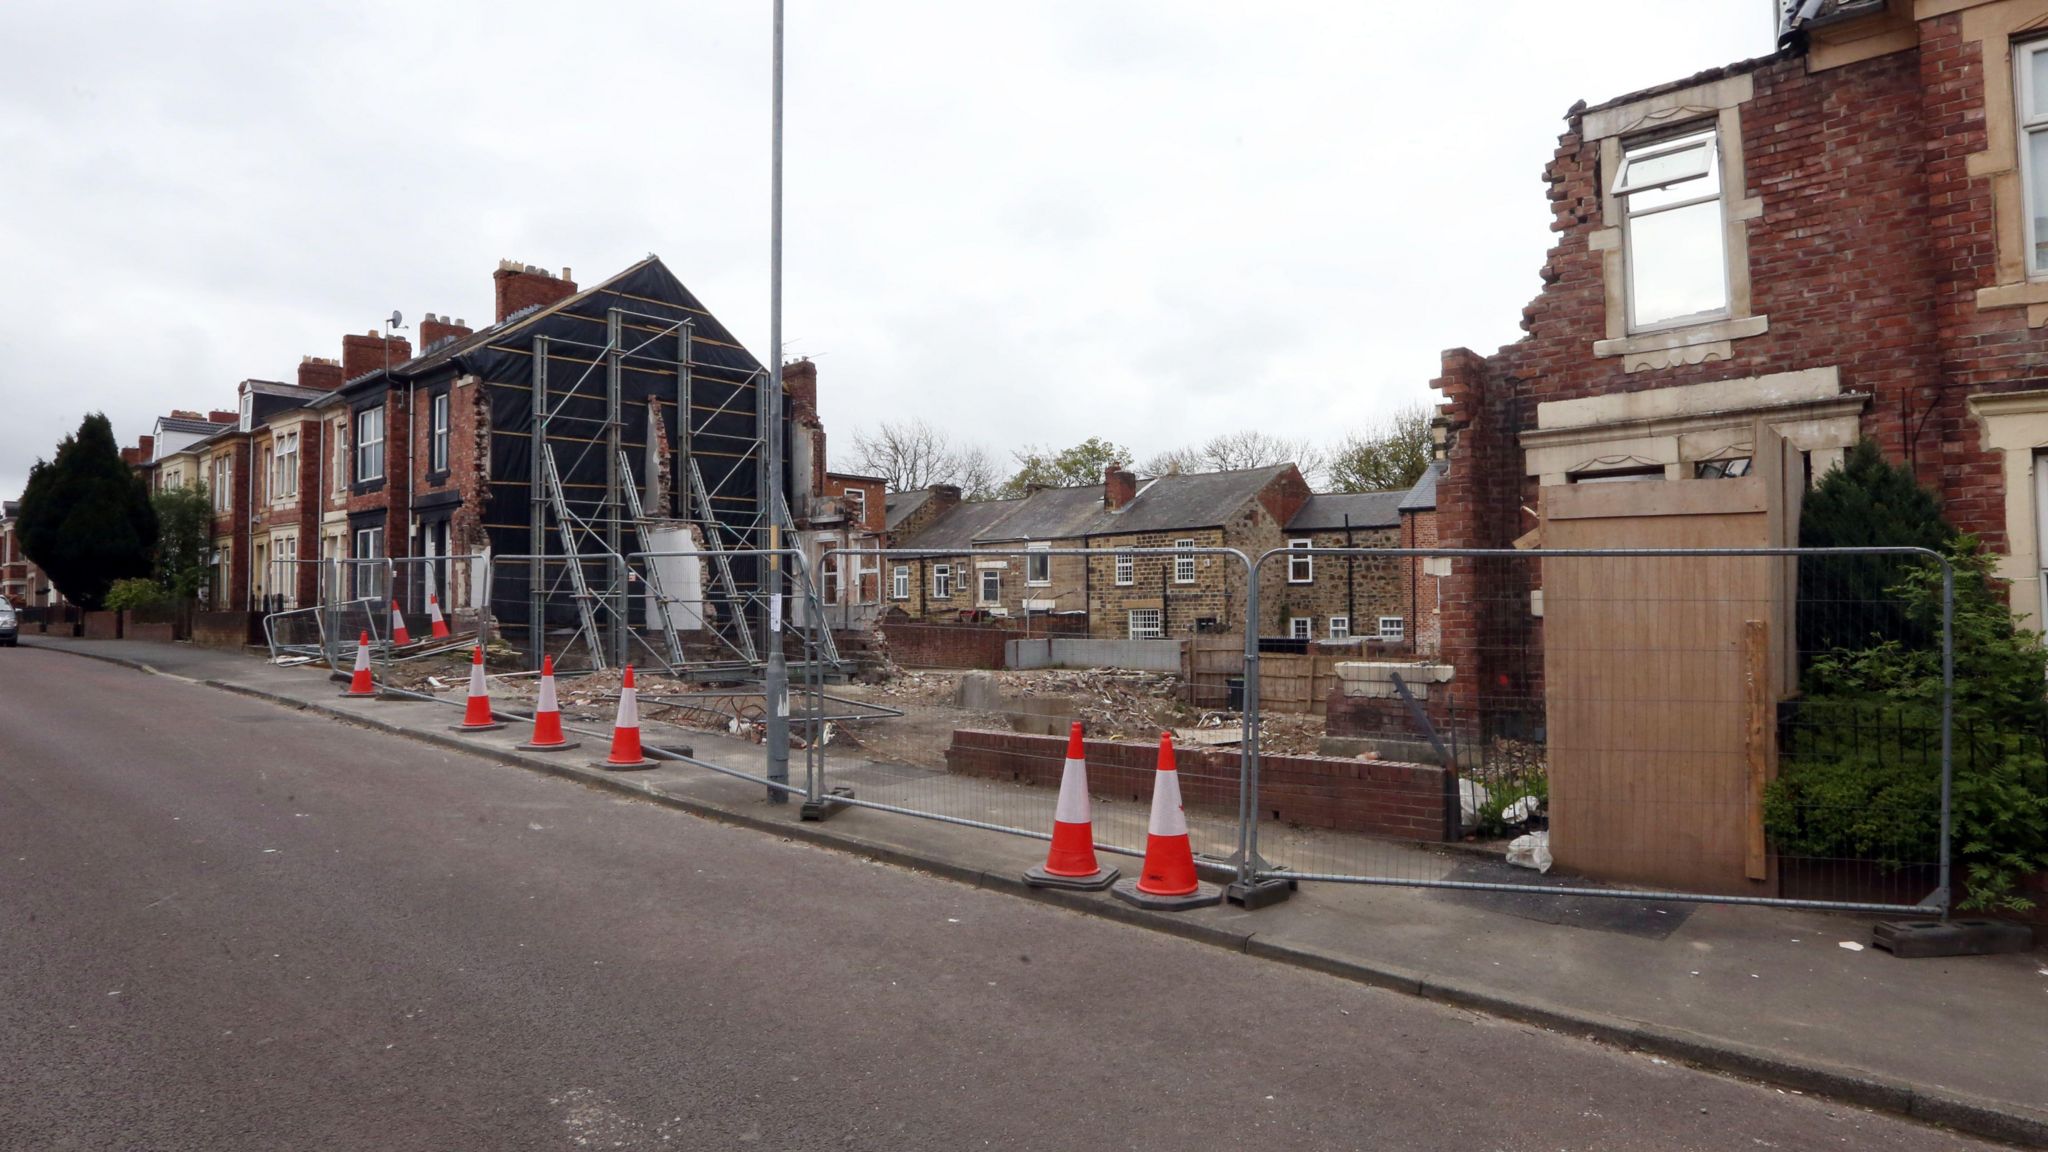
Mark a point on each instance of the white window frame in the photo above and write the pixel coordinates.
(899, 582)
(342, 456)
(854, 503)
(1339, 628)
(369, 578)
(223, 483)
(1711, 176)
(1393, 628)
(2026, 125)
(1152, 627)
(370, 444)
(942, 581)
(1301, 627)
(1037, 558)
(284, 484)
(1184, 561)
(981, 596)
(1300, 569)
(1126, 569)
(437, 444)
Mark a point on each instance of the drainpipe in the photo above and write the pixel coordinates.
(1350, 577)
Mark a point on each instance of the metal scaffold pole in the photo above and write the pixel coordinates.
(775, 688)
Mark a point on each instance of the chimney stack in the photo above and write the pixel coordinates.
(434, 329)
(800, 386)
(219, 417)
(365, 353)
(523, 286)
(321, 373)
(1119, 487)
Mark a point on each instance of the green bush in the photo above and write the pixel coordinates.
(1503, 791)
(135, 592)
(1867, 805)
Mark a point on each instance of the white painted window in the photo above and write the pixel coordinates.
(1038, 566)
(991, 586)
(370, 444)
(1301, 569)
(286, 582)
(338, 460)
(1301, 628)
(284, 484)
(1126, 569)
(248, 420)
(369, 578)
(1393, 628)
(2030, 68)
(223, 482)
(1146, 625)
(1340, 627)
(899, 582)
(437, 447)
(942, 581)
(1673, 239)
(1184, 563)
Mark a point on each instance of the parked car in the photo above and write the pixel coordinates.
(10, 625)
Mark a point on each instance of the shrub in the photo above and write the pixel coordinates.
(135, 592)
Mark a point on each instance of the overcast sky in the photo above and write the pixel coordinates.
(1028, 222)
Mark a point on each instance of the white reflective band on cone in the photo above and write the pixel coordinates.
(629, 708)
(1167, 818)
(547, 695)
(476, 679)
(1073, 806)
(362, 657)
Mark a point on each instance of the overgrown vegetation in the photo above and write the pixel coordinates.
(184, 518)
(136, 592)
(1846, 796)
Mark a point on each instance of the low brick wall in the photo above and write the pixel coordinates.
(102, 626)
(154, 633)
(947, 645)
(225, 629)
(1375, 797)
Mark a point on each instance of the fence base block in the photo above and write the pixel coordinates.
(827, 806)
(1204, 896)
(1038, 877)
(1255, 894)
(1925, 939)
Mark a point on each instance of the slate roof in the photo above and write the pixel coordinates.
(899, 505)
(450, 350)
(181, 424)
(960, 526)
(1328, 512)
(1163, 504)
(1422, 497)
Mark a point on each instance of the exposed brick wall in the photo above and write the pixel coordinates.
(1418, 530)
(366, 353)
(1872, 245)
(1373, 797)
(946, 645)
(102, 625)
(226, 629)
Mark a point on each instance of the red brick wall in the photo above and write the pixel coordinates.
(1374, 797)
(1873, 242)
(520, 286)
(919, 645)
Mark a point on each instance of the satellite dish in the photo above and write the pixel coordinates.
(397, 321)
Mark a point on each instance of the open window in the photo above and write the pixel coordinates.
(1673, 234)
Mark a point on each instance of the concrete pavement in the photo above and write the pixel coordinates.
(1290, 930)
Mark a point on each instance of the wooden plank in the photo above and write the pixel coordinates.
(1740, 496)
(1756, 675)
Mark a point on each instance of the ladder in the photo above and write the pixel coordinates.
(722, 564)
(640, 525)
(564, 523)
(814, 605)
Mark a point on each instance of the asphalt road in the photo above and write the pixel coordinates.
(228, 925)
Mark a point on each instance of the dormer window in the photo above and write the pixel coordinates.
(1669, 191)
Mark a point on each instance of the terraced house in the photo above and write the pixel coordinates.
(998, 559)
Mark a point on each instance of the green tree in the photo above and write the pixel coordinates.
(184, 521)
(1084, 463)
(1846, 602)
(85, 516)
(1387, 458)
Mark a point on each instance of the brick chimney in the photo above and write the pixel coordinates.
(800, 388)
(1119, 486)
(219, 417)
(522, 286)
(185, 414)
(944, 496)
(435, 329)
(365, 353)
(320, 372)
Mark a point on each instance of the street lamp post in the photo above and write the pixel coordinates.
(775, 686)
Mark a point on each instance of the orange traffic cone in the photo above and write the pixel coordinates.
(434, 618)
(626, 731)
(1168, 881)
(398, 633)
(547, 715)
(477, 717)
(1071, 861)
(359, 683)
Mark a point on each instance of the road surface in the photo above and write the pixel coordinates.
(230, 925)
